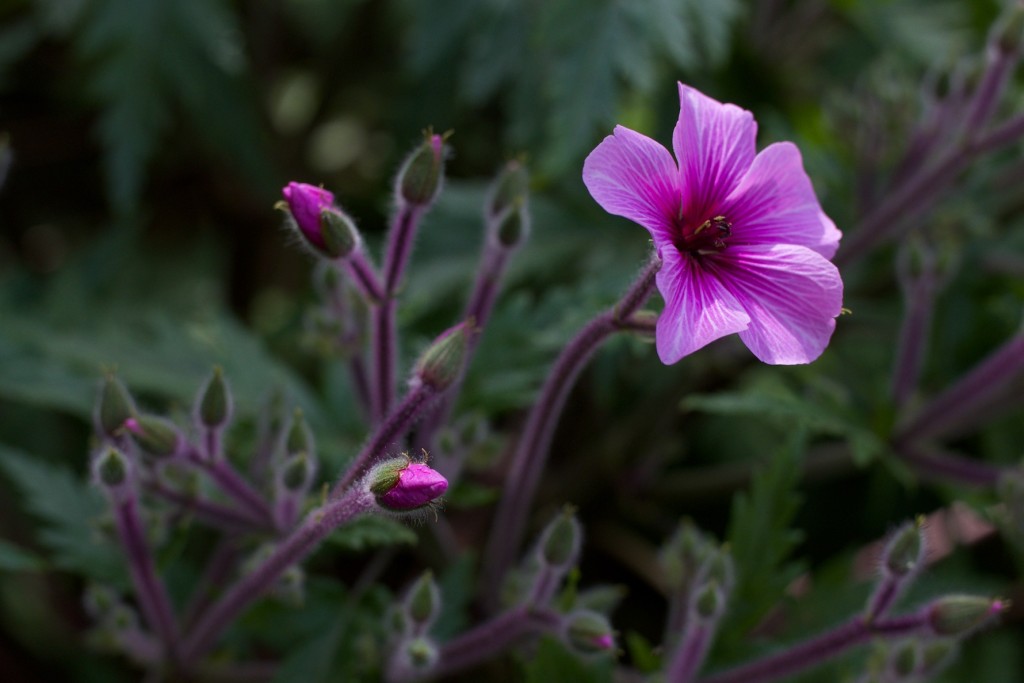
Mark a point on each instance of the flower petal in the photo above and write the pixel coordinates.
(792, 295)
(715, 146)
(632, 176)
(698, 308)
(775, 204)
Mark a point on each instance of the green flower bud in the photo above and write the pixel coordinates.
(936, 656)
(421, 654)
(513, 226)
(421, 176)
(589, 633)
(295, 475)
(958, 615)
(904, 552)
(339, 234)
(300, 436)
(112, 468)
(215, 401)
(680, 556)
(560, 541)
(423, 602)
(155, 435)
(114, 406)
(442, 362)
(709, 602)
(511, 187)
(904, 659)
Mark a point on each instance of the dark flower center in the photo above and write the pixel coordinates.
(702, 238)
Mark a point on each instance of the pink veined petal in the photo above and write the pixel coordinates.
(714, 144)
(698, 308)
(775, 204)
(632, 176)
(792, 295)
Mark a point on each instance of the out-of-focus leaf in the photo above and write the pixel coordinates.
(456, 585)
(553, 662)
(372, 531)
(16, 559)
(67, 507)
(760, 540)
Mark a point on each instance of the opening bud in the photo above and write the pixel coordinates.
(114, 406)
(905, 550)
(423, 601)
(958, 615)
(560, 542)
(442, 362)
(214, 408)
(111, 468)
(402, 485)
(421, 176)
(155, 435)
(589, 633)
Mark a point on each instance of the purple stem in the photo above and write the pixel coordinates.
(993, 83)
(950, 468)
(400, 239)
(492, 637)
(889, 589)
(819, 649)
(971, 391)
(233, 484)
(478, 309)
(919, 295)
(216, 572)
(690, 655)
(532, 449)
(149, 589)
(1000, 136)
(292, 549)
(364, 275)
(212, 513)
(394, 427)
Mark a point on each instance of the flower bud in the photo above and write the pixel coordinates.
(718, 567)
(423, 601)
(401, 485)
(296, 474)
(1008, 31)
(421, 176)
(420, 653)
(442, 362)
(903, 660)
(214, 408)
(113, 407)
(322, 226)
(511, 187)
(905, 550)
(709, 602)
(155, 435)
(300, 436)
(513, 227)
(589, 633)
(560, 542)
(958, 615)
(936, 656)
(681, 555)
(111, 468)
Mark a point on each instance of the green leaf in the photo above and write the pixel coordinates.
(66, 506)
(16, 559)
(553, 662)
(372, 531)
(643, 654)
(818, 412)
(760, 540)
(456, 586)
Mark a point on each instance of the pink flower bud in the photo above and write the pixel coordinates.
(409, 486)
(306, 202)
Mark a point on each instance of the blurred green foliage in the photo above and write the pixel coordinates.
(141, 147)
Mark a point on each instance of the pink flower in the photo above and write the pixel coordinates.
(744, 244)
(306, 203)
(417, 485)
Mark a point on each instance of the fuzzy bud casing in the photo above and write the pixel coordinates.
(423, 601)
(905, 550)
(113, 407)
(422, 174)
(215, 404)
(442, 362)
(155, 435)
(560, 542)
(958, 615)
